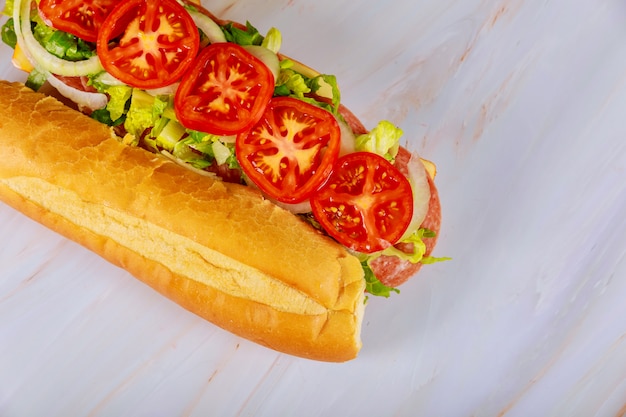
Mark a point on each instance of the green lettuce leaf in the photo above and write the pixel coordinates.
(166, 134)
(35, 80)
(373, 286)
(62, 44)
(8, 8)
(384, 140)
(160, 106)
(291, 83)
(144, 113)
(103, 116)
(114, 114)
(427, 260)
(8, 33)
(250, 36)
(326, 85)
(185, 153)
(419, 248)
(273, 40)
(213, 148)
(118, 100)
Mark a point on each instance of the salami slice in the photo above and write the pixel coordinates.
(393, 271)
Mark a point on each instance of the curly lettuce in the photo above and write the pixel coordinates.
(62, 44)
(373, 285)
(419, 248)
(8, 34)
(273, 40)
(384, 140)
(292, 83)
(248, 36)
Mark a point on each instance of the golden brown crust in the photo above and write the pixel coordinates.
(236, 259)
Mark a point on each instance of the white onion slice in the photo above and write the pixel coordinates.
(109, 80)
(84, 99)
(269, 58)
(39, 56)
(348, 139)
(167, 90)
(211, 29)
(17, 28)
(418, 177)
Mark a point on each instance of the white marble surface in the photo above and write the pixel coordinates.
(522, 105)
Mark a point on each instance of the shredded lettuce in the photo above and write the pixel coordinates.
(292, 83)
(373, 286)
(427, 260)
(200, 136)
(103, 116)
(221, 152)
(8, 33)
(160, 106)
(326, 84)
(273, 40)
(118, 98)
(249, 36)
(326, 81)
(114, 114)
(185, 153)
(201, 151)
(61, 44)
(419, 248)
(384, 140)
(167, 134)
(8, 8)
(144, 112)
(213, 148)
(35, 80)
(203, 145)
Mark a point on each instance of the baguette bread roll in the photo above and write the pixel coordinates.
(218, 249)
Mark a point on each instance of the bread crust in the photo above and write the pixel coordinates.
(236, 260)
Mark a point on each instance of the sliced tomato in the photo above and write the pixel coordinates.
(291, 150)
(366, 204)
(82, 18)
(225, 92)
(158, 42)
(393, 271)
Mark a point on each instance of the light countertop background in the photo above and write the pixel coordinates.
(522, 106)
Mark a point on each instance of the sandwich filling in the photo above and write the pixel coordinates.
(219, 98)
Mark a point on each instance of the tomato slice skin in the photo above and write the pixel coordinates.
(291, 150)
(159, 41)
(225, 92)
(366, 204)
(82, 18)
